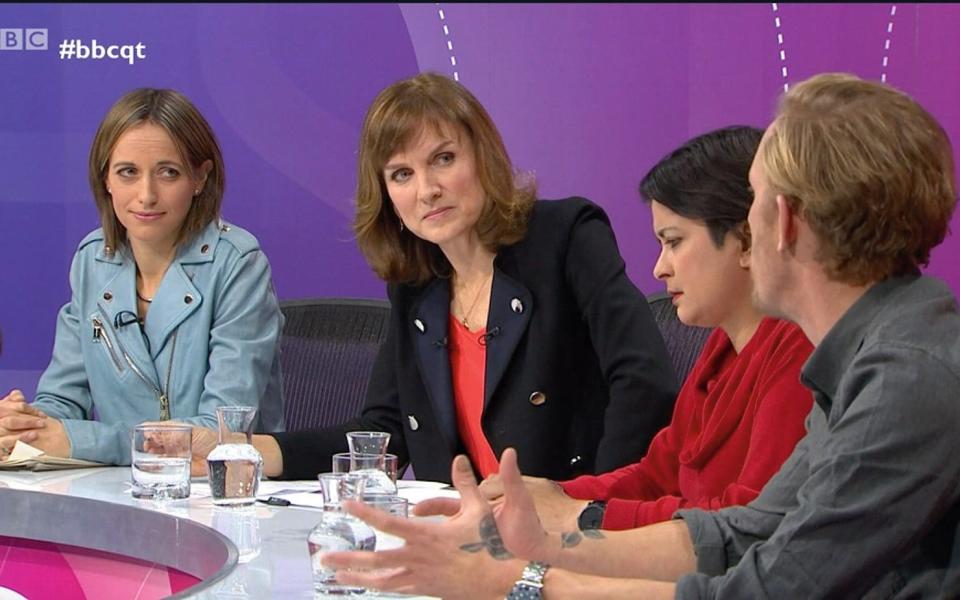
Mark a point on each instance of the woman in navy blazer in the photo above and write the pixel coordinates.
(570, 367)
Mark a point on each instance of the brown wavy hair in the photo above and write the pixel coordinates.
(398, 114)
(193, 138)
(869, 169)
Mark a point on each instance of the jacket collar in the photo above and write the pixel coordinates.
(175, 300)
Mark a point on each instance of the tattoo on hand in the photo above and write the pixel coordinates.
(489, 539)
(569, 539)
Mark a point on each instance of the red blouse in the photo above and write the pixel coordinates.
(468, 363)
(736, 420)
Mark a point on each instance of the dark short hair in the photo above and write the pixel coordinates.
(191, 134)
(706, 179)
(398, 114)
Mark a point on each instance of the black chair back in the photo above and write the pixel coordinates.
(327, 352)
(683, 341)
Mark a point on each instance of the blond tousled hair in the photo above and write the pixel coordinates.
(869, 169)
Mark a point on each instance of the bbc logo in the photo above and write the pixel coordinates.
(23, 39)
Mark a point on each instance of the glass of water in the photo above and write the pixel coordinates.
(160, 461)
(234, 466)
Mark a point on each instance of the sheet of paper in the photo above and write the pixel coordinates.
(416, 495)
(303, 494)
(26, 457)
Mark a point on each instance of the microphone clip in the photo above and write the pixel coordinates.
(483, 339)
(124, 318)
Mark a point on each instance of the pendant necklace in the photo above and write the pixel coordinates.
(476, 299)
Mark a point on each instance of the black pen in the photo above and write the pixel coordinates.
(274, 501)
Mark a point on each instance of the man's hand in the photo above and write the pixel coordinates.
(557, 510)
(444, 558)
(514, 510)
(517, 518)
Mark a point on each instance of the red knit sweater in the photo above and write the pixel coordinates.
(736, 420)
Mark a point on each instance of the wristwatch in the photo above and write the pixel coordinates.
(530, 584)
(591, 517)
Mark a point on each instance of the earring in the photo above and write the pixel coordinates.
(401, 225)
(196, 192)
(109, 191)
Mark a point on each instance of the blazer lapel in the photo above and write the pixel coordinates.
(427, 324)
(511, 305)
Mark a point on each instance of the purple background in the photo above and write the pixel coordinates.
(588, 97)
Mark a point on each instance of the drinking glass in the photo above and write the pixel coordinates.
(368, 442)
(160, 461)
(398, 506)
(234, 466)
(337, 530)
(380, 470)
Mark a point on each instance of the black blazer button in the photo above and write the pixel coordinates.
(414, 424)
(421, 327)
(576, 459)
(516, 306)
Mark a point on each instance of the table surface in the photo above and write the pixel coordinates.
(280, 569)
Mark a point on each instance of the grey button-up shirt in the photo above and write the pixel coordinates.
(868, 505)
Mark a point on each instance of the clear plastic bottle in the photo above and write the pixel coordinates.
(337, 531)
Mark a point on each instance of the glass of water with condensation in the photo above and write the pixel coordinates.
(234, 466)
(160, 461)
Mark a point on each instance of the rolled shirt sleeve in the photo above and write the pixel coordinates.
(870, 482)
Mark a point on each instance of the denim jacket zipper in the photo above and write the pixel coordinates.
(99, 332)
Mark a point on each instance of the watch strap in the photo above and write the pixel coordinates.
(530, 584)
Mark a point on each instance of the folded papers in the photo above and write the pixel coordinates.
(27, 458)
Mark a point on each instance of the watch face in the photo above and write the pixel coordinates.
(592, 516)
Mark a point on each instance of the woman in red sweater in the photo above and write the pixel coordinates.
(742, 408)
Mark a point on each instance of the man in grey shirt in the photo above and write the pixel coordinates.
(853, 187)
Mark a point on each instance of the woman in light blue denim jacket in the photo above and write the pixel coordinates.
(173, 312)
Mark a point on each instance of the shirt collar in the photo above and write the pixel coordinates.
(831, 359)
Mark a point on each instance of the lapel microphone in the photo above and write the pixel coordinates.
(483, 339)
(124, 318)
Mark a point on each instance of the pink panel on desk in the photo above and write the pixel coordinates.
(41, 569)
(37, 570)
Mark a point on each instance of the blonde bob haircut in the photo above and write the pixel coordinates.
(193, 138)
(394, 120)
(870, 171)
